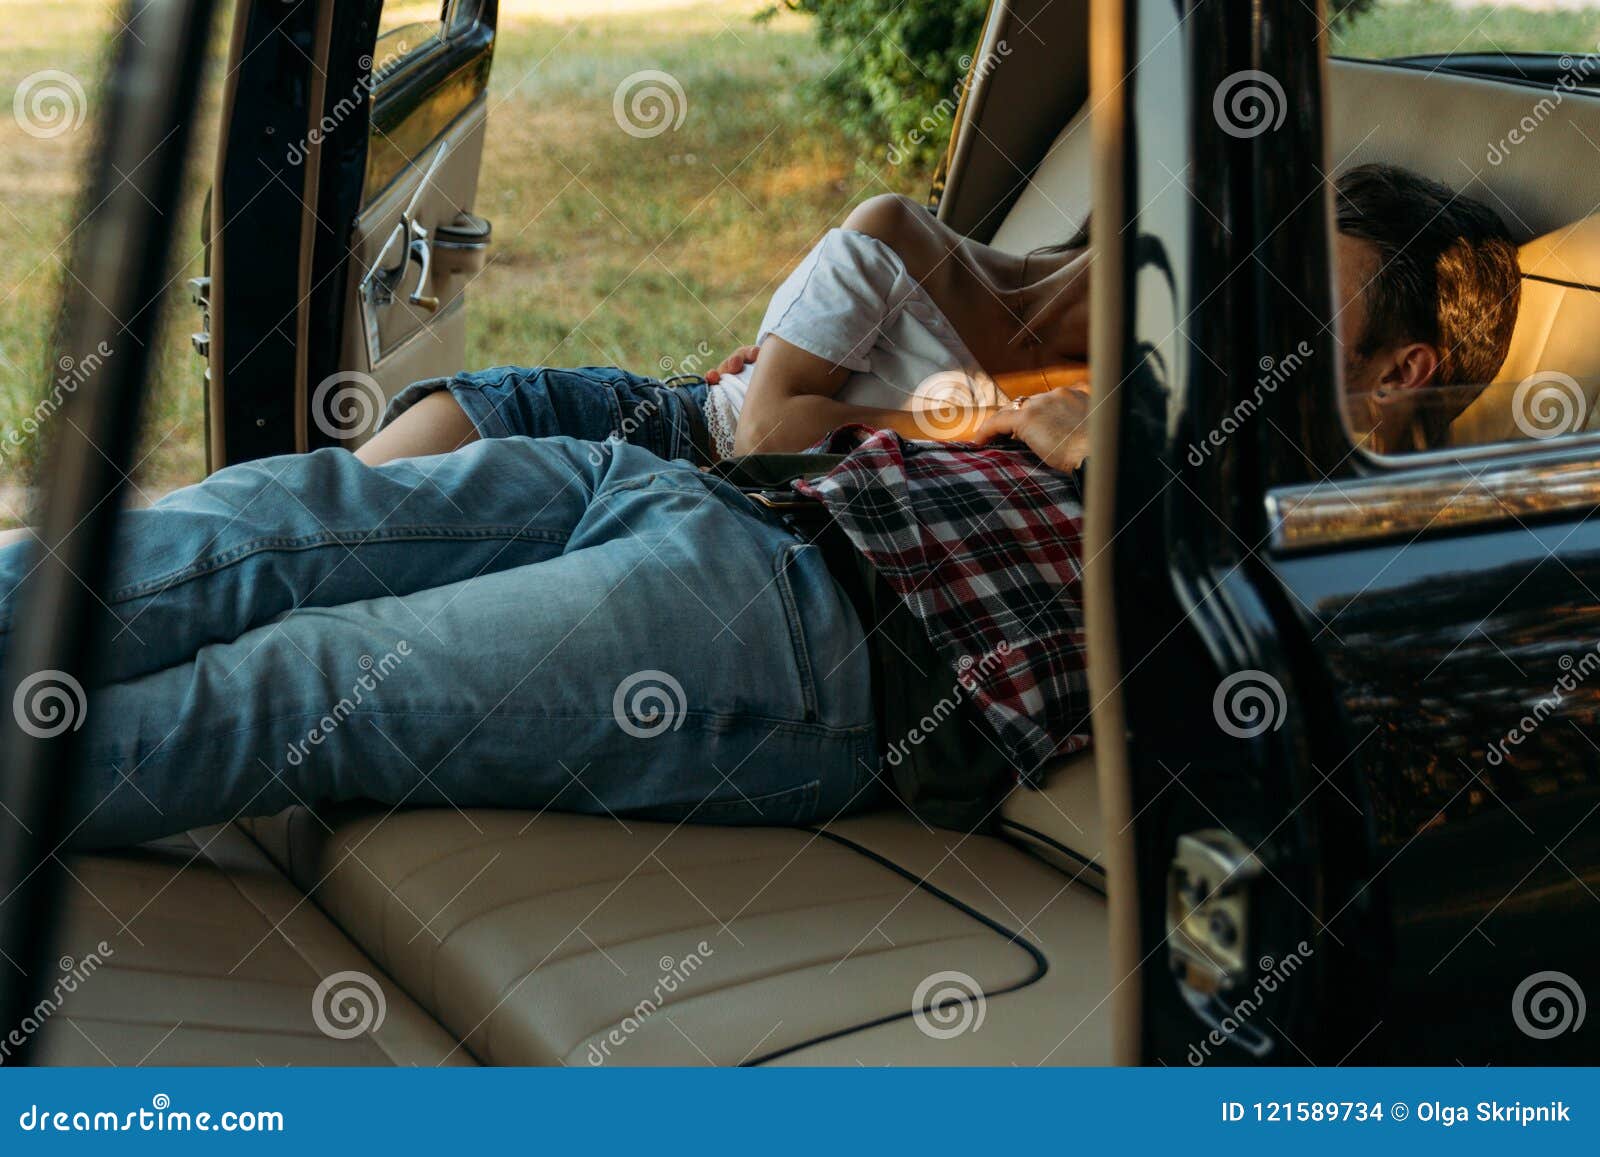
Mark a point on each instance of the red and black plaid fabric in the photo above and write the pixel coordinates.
(984, 543)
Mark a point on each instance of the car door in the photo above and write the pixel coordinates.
(1357, 730)
(1219, 885)
(340, 235)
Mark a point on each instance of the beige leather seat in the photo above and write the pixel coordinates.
(1557, 320)
(555, 939)
(212, 957)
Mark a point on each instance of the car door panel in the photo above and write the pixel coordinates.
(331, 134)
(389, 333)
(1463, 665)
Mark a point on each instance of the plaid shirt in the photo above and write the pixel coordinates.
(984, 543)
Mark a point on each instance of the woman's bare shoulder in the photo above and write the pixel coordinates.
(924, 242)
(915, 234)
(886, 216)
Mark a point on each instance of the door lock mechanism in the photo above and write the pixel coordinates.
(1209, 887)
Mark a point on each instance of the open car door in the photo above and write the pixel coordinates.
(340, 236)
(1320, 670)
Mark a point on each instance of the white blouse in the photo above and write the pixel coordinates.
(852, 302)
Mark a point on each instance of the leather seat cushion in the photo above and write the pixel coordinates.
(556, 939)
(1557, 319)
(1055, 202)
(1061, 819)
(214, 959)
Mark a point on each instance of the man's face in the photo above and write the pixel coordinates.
(1355, 265)
(1379, 395)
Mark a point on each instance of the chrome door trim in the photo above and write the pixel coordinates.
(1339, 513)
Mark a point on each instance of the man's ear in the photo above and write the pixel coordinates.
(1410, 367)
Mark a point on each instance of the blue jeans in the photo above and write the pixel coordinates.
(534, 623)
(594, 403)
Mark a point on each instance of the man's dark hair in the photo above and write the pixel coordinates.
(1447, 275)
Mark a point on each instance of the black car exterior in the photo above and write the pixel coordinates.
(1413, 822)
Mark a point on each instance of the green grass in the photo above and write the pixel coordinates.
(39, 207)
(611, 248)
(1404, 27)
(608, 248)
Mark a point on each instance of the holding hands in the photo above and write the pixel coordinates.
(1054, 425)
(745, 355)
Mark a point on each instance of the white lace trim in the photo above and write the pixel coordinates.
(720, 422)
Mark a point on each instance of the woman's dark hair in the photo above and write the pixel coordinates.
(1079, 240)
(1447, 275)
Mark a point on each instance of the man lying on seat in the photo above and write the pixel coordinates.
(546, 617)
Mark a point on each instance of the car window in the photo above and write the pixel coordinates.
(1504, 358)
(405, 27)
(1384, 29)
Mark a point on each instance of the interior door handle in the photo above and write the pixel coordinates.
(381, 281)
(419, 246)
(421, 251)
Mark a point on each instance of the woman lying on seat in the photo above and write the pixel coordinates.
(894, 321)
(547, 622)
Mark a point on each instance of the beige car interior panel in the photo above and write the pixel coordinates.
(1557, 320)
(212, 957)
(1444, 127)
(406, 317)
(535, 937)
(1055, 203)
(1028, 79)
(1061, 821)
(1107, 338)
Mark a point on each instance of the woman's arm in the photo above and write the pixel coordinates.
(791, 405)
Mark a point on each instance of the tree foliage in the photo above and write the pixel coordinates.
(902, 63)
